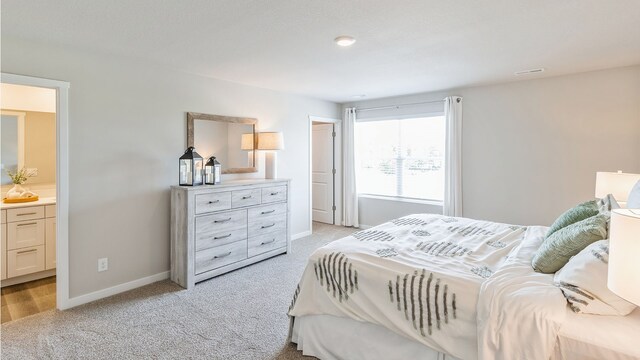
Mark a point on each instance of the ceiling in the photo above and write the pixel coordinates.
(402, 47)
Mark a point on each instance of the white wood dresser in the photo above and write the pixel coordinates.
(28, 244)
(219, 228)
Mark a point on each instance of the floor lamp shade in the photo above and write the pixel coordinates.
(618, 184)
(624, 252)
(270, 141)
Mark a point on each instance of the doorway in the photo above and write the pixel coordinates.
(34, 251)
(325, 170)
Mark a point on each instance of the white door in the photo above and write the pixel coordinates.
(322, 173)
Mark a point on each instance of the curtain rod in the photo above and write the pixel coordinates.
(400, 105)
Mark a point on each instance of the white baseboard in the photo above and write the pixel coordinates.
(301, 235)
(364, 227)
(101, 294)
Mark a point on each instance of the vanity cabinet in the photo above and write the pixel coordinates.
(28, 241)
(220, 228)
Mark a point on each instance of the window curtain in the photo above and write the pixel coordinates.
(453, 157)
(350, 194)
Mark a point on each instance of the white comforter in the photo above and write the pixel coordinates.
(421, 276)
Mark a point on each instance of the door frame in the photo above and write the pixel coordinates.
(62, 177)
(337, 151)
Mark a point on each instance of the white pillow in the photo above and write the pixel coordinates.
(583, 281)
(633, 201)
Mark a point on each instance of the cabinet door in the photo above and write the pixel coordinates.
(3, 251)
(25, 261)
(25, 234)
(50, 243)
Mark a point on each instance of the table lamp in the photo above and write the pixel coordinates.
(624, 251)
(270, 141)
(618, 184)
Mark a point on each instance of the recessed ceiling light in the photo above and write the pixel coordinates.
(530, 71)
(361, 96)
(344, 40)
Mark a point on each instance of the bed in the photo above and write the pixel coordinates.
(429, 287)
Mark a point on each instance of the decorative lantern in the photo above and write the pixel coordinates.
(191, 168)
(212, 171)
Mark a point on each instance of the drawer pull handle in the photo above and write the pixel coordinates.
(221, 221)
(221, 237)
(275, 193)
(268, 242)
(221, 256)
(26, 251)
(268, 226)
(27, 224)
(246, 197)
(213, 202)
(26, 214)
(267, 212)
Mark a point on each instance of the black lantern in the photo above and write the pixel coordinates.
(190, 168)
(212, 171)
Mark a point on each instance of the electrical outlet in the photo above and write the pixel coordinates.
(103, 264)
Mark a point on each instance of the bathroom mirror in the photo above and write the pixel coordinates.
(232, 140)
(12, 142)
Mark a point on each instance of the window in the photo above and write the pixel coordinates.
(401, 158)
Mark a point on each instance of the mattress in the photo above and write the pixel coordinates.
(599, 337)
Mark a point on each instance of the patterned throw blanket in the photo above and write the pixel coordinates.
(419, 276)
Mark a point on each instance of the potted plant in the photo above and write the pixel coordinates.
(18, 178)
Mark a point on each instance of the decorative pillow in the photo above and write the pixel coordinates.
(583, 282)
(573, 215)
(606, 204)
(633, 201)
(557, 249)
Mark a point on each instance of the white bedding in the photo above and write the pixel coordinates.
(420, 276)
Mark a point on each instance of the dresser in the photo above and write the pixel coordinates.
(219, 228)
(28, 241)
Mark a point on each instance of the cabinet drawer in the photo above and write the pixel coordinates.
(25, 261)
(3, 216)
(220, 222)
(218, 256)
(274, 194)
(267, 242)
(240, 198)
(208, 240)
(213, 202)
(28, 213)
(50, 211)
(24, 234)
(268, 225)
(262, 212)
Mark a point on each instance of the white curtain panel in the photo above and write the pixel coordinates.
(350, 194)
(453, 157)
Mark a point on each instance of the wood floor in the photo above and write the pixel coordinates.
(27, 299)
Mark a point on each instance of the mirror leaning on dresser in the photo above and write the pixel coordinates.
(220, 228)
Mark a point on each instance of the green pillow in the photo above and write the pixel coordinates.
(573, 215)
(557, 249)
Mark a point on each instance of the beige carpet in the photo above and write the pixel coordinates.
(239, 315)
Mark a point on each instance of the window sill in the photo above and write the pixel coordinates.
(402, 199)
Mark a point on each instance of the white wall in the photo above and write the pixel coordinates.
(127, 128)
(531, 148)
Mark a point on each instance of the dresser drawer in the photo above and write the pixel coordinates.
(24, 234)
(267, 242)
(274, 194)
(240, 198)
(261, 212)
(220, 222)
(25, 261)
(268, 225)
(213, 202)
(219, 256)
(208, 240)
(28, 213)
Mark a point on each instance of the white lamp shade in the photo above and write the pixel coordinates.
(270, 141)
(618, 184)
(624, 252)
(246, 142)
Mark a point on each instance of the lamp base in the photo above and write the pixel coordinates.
(270, 169)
